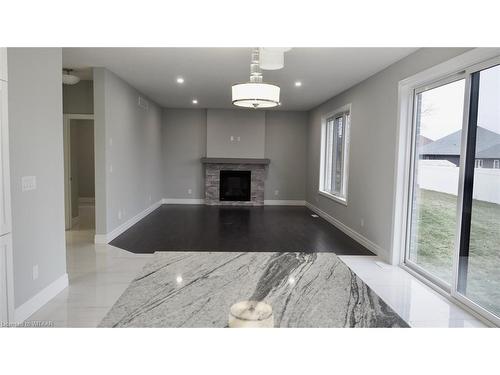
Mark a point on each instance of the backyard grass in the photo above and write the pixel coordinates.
(436, 220)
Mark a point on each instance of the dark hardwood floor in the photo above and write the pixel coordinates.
(218, 228)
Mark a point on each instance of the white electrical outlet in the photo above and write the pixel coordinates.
(232, 138)
(28, 183)
(276, 192)
(35, 272)
(111, 141)
(111, 168)
(362, 222)
(239, 139)
(190, 191)
(119, 214)
(150, 197)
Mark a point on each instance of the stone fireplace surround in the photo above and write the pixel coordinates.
(257, 168)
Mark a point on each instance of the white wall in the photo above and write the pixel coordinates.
(247, 125)
(36, 149)
(445, 180)
(128, 142)
(373, 147)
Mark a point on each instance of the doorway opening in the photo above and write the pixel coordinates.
(79, 184)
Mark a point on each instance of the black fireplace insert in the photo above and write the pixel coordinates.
(235, 185)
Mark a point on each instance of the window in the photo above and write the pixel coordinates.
(479, 163)
(334, 154)
(496, 164)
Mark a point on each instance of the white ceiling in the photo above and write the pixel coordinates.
(210, 72)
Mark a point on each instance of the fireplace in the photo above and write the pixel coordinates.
(244, 188)
(235, 186)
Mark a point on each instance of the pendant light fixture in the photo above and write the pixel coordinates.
(68, 78)
(255, 94)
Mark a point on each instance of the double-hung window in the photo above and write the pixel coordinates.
(334, 154)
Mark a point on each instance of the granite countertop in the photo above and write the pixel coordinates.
(197, 289)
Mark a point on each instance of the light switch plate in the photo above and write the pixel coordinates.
(28, 183)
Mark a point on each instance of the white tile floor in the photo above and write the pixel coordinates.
(99, 274)
(414, 301)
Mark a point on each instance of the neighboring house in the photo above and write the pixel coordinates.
(448, 148)
(490, 157)
(422, 141)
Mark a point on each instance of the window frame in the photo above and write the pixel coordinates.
(496, 164)
(341, 198)
(478, 163)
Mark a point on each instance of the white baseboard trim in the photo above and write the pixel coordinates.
(273, 202)
(270, 202)
(86, 201)
(110, 236)
(28, 308)
(372, 246)
(182, 201)
(75, 221)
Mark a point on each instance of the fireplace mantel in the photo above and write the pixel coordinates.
(235, 161)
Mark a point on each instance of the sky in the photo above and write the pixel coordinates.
(442, 107)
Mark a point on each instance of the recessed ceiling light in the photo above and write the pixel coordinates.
(180, 80)
(195, 101)
(298, 83)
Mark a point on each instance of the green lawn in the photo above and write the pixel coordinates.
(436, 220)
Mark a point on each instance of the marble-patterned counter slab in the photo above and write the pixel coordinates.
(197, 289)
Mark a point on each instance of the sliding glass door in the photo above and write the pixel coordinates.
(453, 224)
(479, 261)
(433, 222)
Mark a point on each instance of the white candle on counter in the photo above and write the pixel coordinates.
(251, 314)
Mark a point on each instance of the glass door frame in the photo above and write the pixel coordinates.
(467, 171)
(412, 176)
(450, 290)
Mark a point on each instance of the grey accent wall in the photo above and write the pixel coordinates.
(184, 143)
(185, 140)
(79, 98)
(249, 125)
(36, 149)
(130, 148)
(373, 147)
(286, 146)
